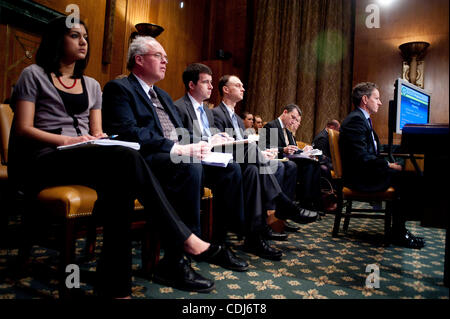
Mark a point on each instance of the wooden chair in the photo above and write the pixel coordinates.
(348, 195)
(301, 144)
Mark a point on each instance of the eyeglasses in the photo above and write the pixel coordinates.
(159, 56)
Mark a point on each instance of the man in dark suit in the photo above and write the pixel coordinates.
(276, 179)
(321, 141)
(277, 134)
(225, 182)
(138, 111)
(364, 169)
(199, 120)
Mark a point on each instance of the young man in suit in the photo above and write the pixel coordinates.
(199, 120)
(364, 169)
(137, 110)
(277, 134)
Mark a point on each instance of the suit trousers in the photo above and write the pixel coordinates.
(119, 175)
(308, 187)
(182, 184)
(228, 201)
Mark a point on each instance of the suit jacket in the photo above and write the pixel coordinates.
(363, 168)
(223, 122)
(322, 143)
(189, 117)
(277, 141)
(129, 112)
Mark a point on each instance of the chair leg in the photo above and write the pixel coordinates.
(207, 219)
(151, 247)
(387, 224)
(67, 256)
(348, 212)
(337, 219)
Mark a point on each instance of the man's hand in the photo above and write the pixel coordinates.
(269, 154)
(290, 149)
(395, 166)
(199, 150)
(220, 138)
(307, 148)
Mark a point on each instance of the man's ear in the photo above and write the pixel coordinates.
(191, 85)
(138, 59)
(364, 99)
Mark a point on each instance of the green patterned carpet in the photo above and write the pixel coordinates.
(314, 266)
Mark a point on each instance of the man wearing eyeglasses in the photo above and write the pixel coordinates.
(137, 110)
(277, 133)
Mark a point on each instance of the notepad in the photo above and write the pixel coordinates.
(218, 159)
(102, 142)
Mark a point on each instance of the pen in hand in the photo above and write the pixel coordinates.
(109, 137)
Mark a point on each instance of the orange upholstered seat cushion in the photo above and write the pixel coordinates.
(73, 200)
(388, 194)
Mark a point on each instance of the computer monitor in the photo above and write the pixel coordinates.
(412, 105)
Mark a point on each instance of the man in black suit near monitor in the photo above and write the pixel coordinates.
(363, 167)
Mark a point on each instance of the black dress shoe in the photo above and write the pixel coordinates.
(258, 246)
(223, 257)
(408, 240)
(179, 274)
(297, 214)
(290, 227)
(268, 233)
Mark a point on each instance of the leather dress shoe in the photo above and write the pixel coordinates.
(268, 233)
(298, 215)
(408, 240)
(259, 247)
(224, 257)
(290, 227)
(179, 274)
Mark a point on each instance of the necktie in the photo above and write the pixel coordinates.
(373, 137)
(205, 122)
(236, 127)
(286, 138)
(164, 119)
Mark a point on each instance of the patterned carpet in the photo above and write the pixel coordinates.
(314, 266)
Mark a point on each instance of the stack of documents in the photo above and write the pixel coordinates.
(102, 142)
(218, 159)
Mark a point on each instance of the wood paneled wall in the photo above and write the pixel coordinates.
(377, 57)
(186, 32)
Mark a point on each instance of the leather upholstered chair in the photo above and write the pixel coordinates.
(71, 206)
(348, 195)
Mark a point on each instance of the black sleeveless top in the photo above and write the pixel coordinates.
(74, 103)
